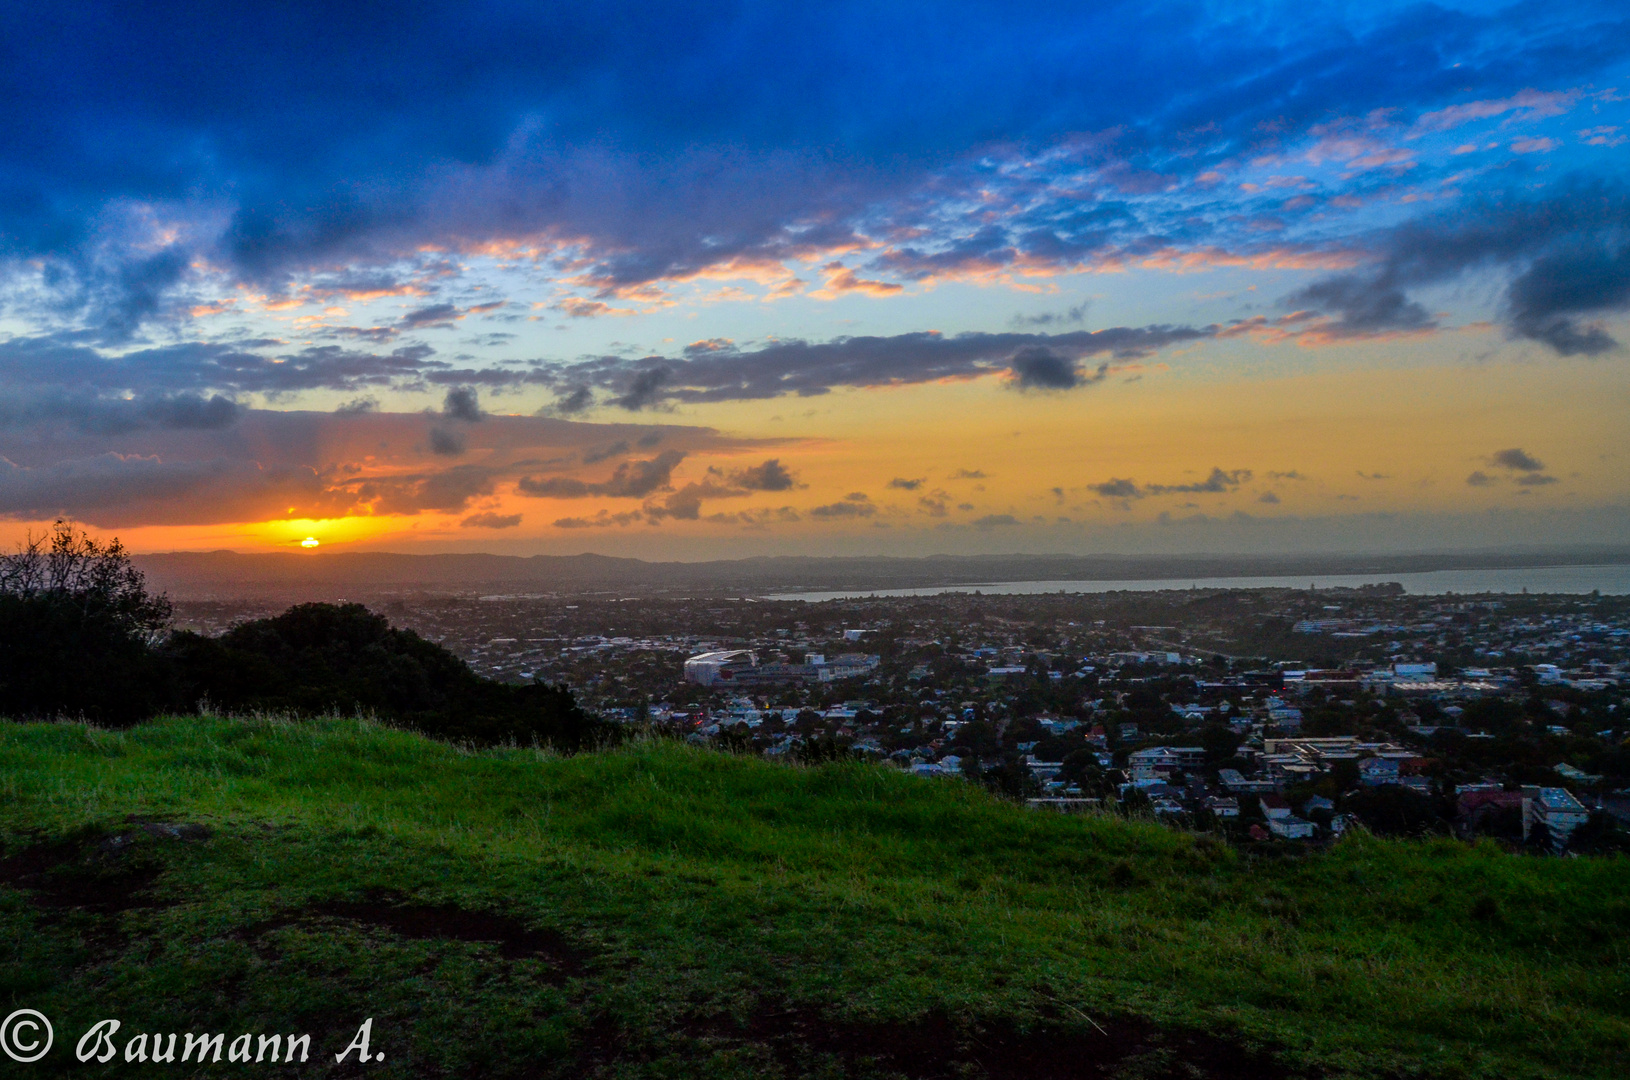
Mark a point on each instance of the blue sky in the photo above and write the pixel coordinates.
(698, 216)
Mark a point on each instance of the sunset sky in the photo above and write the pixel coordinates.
(707, 280)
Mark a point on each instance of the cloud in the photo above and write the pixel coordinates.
(436, 315)
(116, 490)
(463, 403)
(841, 279)
(572, 400)
(1219, 482)
(358, 407)
(993, 521)
(906, 485)
(167, 150)
(770, 476)
(491, 521)
(632, 480)
(715, 371)
(1536, 480)
(854, 505)
(1117, 489)
(604, 453)
(1038, 368)
(1268, 497)
(969, 474)
(93, 413)
(447, 443)
(1566, 254)
(1076, 314)
(1516, 459)
(644, 389)
(1479, 479)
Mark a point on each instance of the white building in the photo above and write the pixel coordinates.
(1556, 809)
(706, 669)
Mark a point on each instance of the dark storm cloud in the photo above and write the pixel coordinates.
(326, 142)
(907, 484)
(632, 480)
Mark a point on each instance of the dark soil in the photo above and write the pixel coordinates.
(804, 1041)
(389, 911)
(102, 876)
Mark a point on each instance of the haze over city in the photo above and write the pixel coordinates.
(689, 282)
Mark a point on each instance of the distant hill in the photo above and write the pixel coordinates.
(317, 575)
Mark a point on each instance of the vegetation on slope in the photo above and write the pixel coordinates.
(81, 637)
(662, 910)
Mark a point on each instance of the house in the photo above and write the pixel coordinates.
(1223, 806)
(1375, 771)
(1289, 827)
(1234, 781)
(1274, 806)
(1317, 802)
(1474, 806)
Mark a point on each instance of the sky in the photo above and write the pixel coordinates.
(718, 280)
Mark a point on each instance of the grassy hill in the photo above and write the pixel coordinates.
(659, 910)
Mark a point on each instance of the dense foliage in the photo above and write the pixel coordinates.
(320, 658)
(81, 637)
(76, 628)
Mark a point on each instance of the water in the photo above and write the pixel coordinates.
(1613, 580)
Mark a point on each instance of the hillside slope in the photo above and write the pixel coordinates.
(659, 910)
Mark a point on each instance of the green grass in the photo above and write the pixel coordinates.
(696, 914)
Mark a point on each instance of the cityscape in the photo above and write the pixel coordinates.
(1259, 714)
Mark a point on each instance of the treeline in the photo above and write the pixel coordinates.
(81, 637)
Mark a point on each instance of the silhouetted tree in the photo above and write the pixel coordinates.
(76, 623)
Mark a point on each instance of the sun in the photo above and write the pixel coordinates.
(309, 542)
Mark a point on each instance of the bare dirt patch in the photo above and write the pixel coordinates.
(515, 939)
(804, 1041)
